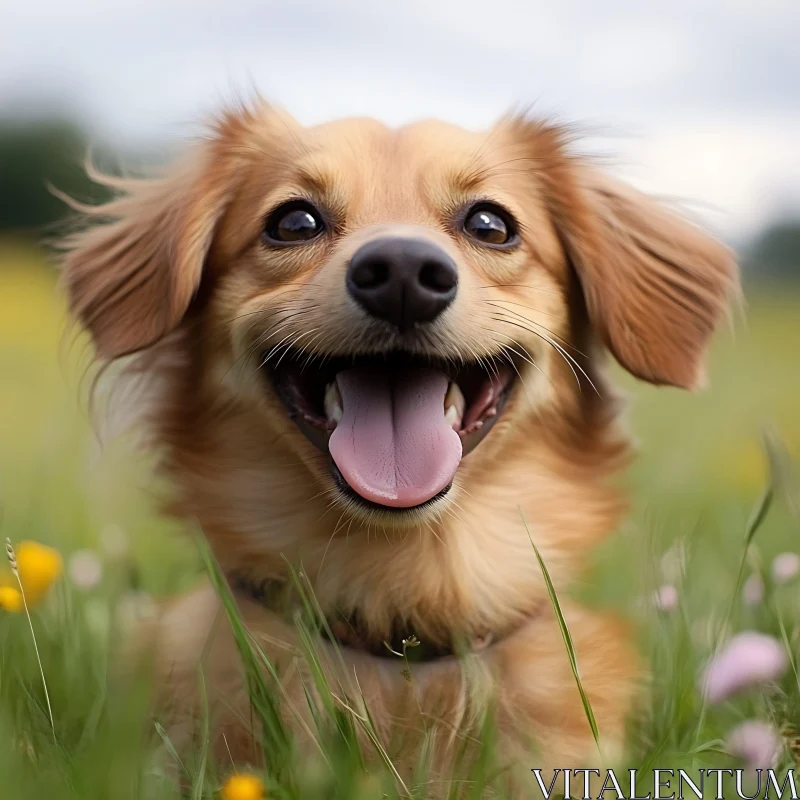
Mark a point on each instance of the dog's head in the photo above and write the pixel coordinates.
(385, 302)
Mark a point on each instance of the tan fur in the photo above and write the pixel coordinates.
(179, 274)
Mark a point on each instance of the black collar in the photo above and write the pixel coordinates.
(348, 630)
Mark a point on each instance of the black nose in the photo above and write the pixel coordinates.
(404, 281)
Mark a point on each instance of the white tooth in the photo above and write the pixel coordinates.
(454, 398)
(452, 417)
(454, 405)
(333, 402)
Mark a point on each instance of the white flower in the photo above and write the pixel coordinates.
(666, 598)
(85, 569)
(753, 590)
(785, 567)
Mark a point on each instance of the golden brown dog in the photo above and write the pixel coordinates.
(371, 351)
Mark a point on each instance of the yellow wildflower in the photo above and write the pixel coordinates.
(39, 567)
(243, 787)
(10, 599)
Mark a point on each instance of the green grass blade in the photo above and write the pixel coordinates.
(422, 769)
(308, 628)
(198, 790)
(167, 742)
(562, 624)
(277, 742)
(369, 727)
(787, 644)
(754, 523)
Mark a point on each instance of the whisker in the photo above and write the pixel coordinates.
(291, 344)
(282, 327)
(306, 348)
(537, 324)
(330, 490)
(485, 363)
(522, 305)
(330, 540)
(519, 286)
(525, 355)
(430, 528)
(506, 357)
(269, 309)
(262, 337)
(569, 360)
(275, 348)
(524, 386)
(543, 338)
(352, 520)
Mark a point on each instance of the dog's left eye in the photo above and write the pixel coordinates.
(489, 224)
(297, 221)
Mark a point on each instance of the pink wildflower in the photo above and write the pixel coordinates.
(748, 659)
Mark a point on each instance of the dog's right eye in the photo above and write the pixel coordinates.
(294, 222)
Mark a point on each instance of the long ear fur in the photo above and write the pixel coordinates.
(654, 284)
(131, 278)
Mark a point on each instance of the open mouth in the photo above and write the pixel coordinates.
(396, 426)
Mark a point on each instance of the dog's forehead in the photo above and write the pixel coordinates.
(430, 148)
(415, 139)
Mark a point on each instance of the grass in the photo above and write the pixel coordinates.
(570, 647)
(699, 478)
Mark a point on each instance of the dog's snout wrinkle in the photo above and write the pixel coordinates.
(405, 281)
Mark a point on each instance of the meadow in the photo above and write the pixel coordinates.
(699, 479)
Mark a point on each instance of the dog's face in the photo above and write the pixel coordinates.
(384, 297)
(398, 305)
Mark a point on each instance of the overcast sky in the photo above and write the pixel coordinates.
(697, 99)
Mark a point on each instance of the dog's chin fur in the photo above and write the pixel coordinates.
(179, 276)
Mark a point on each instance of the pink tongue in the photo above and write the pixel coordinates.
(393, 445)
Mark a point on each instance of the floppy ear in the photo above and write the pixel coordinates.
(655, 285)
(131, 277)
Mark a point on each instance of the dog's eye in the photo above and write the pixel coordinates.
(489, 224)
(297, 221)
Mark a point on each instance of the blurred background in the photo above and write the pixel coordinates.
(694, 100)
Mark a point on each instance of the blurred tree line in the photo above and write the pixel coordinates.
(33, 157)
(775, 253)
(39, 154)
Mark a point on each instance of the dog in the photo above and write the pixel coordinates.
(376, 356)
